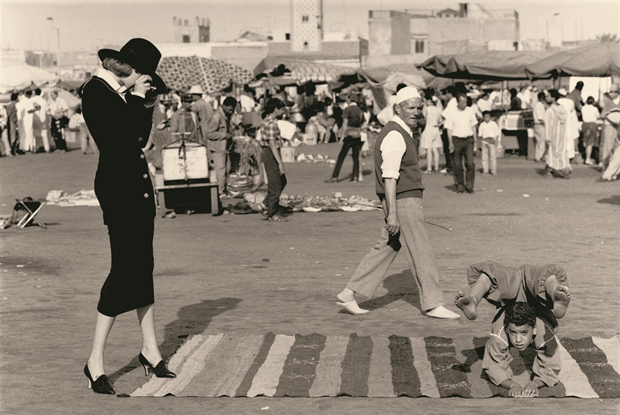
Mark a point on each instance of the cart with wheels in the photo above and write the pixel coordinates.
(185, 184)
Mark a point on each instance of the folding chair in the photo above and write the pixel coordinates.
(31, 208)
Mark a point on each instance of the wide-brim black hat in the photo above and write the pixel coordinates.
(142, 55)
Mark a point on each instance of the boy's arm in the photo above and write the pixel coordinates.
(498, 132)
(496, 361)
(547, 364)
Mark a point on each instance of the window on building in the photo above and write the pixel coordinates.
(186, 39)
(287, 36)
(305, 18)
(419, 46)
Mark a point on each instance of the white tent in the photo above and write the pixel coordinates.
(22, 76)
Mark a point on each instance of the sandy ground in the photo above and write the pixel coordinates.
(240, 273)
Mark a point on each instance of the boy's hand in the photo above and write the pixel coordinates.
(516, 390)
(530, 390)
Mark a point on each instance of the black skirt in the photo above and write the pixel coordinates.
(130, 283)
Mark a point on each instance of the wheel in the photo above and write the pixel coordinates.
(161, 202)
(215, 201)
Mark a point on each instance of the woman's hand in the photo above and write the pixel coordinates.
(143, 84)
(281, 165)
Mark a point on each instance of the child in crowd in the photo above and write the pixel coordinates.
(520, 328)
(431, 136)
(591, 117)
(489, 134)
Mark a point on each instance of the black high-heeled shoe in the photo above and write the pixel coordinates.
(160, 370)
(101, 385)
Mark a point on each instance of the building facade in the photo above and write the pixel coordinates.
(306, 25)
(412, 36)
(191, 31)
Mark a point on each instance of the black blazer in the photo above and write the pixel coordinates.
(120, 130)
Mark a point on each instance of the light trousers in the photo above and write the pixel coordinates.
(489, 156)
(416, 245)
(609, 141)
(540, 144)
(218, 163)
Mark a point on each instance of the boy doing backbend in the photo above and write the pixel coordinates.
(543, 287)
(532, 298)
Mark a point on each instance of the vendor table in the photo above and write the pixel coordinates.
(517, 133)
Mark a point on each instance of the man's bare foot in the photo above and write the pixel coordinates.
(347, 295)
(467, 304)
(560, 301)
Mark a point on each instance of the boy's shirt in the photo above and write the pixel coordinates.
(497, 358)
(589, 113)
(489, 131)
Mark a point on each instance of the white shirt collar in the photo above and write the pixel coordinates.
(400, 122)
(109, 78)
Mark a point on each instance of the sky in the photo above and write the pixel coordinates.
(87, 25)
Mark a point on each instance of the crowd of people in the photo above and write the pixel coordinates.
(31, 123)
(463, 119)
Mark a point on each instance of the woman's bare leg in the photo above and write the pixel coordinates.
(150, 350)
(102, 330)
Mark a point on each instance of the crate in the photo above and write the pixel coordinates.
(287, 154)
(185, 161)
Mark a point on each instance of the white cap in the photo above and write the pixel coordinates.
(196, 89)
(406, 93)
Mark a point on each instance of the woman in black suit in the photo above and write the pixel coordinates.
(117, 104)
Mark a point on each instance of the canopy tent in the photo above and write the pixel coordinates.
(485, 65)
(602, 59)
(71, 100)
(289, 71)
(22, 76)
(68, 85)
(182, 72)
(384, 80)
(410, 75)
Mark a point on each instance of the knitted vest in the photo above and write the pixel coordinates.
(409, 183)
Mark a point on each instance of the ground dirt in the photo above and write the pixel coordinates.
(240, 273)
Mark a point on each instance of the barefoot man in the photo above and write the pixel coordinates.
(399, 187)
(544, 287)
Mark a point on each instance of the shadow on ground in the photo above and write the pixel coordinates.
(192, 319)
(400, 287)
(614, 200)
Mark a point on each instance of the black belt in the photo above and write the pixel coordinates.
(462, 138)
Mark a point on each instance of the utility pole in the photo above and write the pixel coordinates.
(58, 41)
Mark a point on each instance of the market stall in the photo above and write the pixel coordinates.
(502, 66)
(182, 72)
(22, 76)
(290, 71)
(600, 59)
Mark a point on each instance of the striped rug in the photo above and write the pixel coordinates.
(316, 365)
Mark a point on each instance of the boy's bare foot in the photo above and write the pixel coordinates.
(560, 301)
(467, 304)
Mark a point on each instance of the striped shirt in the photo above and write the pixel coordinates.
(269, 131)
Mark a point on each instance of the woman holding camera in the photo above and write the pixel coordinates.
(117, 105)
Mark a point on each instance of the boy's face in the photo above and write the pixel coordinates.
(520, 336)
(487, 117)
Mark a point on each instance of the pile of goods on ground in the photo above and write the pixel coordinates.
(81, 198)
(317, 158)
